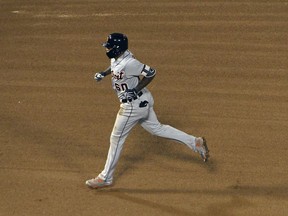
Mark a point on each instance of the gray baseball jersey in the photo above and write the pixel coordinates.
(126, 72)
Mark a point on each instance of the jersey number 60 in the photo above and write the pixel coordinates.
(121, 87)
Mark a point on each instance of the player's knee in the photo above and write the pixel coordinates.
(157, 130)
(114, 138)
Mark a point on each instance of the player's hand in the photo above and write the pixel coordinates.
(99, 76)
(131, 94)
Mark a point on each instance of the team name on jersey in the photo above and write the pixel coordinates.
(118, 76)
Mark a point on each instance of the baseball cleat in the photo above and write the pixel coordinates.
(202, 148)
(97, 183)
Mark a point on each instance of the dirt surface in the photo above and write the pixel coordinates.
(221, 72)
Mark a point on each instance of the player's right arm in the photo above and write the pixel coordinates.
(100, 75)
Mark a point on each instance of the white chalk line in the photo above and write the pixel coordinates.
(69, 15)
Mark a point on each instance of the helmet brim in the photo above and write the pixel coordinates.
(107, 45)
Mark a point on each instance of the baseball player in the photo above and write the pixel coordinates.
(129, 80)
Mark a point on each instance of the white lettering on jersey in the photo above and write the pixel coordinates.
(118, 76)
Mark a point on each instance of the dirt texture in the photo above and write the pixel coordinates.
(221, 73)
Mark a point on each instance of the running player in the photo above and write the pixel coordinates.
(129, 80)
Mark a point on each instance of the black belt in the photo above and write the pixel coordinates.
(134, 98)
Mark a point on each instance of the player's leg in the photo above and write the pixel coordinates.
(152, 125)
(123, 125)
(127, 117)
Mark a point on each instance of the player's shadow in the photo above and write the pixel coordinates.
(238, 194)
(276, 191)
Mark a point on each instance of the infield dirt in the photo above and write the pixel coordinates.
(221, 73)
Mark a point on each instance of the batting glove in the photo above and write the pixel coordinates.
(99, 76)
(131, 94)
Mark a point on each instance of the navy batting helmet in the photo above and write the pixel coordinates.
(117, 43)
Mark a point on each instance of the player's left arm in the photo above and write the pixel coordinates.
(148, 74)
(136, 68)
